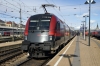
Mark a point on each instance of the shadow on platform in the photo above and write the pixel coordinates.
(68, 56)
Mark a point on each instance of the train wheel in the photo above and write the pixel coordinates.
(58, 49)
(30, 52)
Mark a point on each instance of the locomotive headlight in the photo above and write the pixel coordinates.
(50, 37)
(25, 37)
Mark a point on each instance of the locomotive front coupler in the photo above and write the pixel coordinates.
(36, 48)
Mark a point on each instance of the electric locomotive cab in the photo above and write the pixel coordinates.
(37, 38)
(38, 28)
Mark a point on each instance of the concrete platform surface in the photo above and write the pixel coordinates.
(78, 53)
(10, 43)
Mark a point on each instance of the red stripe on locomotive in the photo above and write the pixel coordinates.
(52, 25)
(27, 27)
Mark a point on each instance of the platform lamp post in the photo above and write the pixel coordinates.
(93, 2)
(20, 17)
(13, 31)
(85, 23)
(83, 28)
(20, 21)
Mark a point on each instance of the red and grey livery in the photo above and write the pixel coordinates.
(45, 34)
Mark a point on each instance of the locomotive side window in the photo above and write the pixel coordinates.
(58, 26)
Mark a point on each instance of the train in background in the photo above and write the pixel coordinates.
(45, 34)
(9, 32)
(94, 33)
(5, 33)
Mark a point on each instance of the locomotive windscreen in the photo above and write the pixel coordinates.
(40, 22)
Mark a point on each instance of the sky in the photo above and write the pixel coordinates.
(69, 11)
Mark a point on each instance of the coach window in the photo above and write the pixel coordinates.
(58, 26)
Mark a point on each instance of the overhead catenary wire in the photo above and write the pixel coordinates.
(8, 7)
(16, 8)
(10, 15)
(12, 4)
(29, 8)
(26, 5)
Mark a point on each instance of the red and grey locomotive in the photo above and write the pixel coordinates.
(45, 34)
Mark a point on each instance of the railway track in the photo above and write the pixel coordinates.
(9, 54)
(12, 56)
(14, 61)
(35, 62)
(22, 60)
(9, 39)
(97, 41)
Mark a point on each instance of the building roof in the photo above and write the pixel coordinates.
(1, 21)
(9, 22)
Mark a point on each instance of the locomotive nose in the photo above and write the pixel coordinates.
(37, 37)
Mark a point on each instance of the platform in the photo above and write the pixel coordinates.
(10, 43)
(78, 53)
